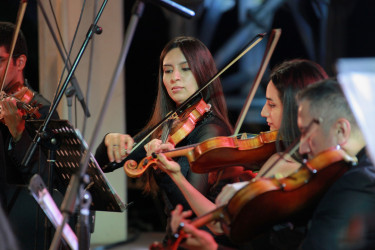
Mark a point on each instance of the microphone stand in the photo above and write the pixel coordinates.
(77, 179)
(75, 183)
(74, 88)
(175, 7)
(68, 204)
(137, 11)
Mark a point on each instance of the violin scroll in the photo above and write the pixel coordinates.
(134, 170)
(249, 151)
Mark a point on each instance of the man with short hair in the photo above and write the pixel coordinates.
(354, 192)
(14, 142)
(350, 195)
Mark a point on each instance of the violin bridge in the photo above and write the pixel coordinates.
(174, 116)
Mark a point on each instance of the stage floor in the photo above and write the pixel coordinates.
(142, 241)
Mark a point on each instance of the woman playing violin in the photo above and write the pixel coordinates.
(350, 196)
(280, 110)
(185, 65)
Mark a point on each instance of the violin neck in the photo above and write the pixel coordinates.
(182, 151)
(214, 215)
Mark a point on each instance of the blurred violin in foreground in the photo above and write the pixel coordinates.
(268, 201)
(216, 153)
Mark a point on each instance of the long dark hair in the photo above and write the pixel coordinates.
(203, 68)
(289, 77)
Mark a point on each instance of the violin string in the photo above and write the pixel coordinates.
(293, 147)
(166, 129)
(251, 45)
(248, 47)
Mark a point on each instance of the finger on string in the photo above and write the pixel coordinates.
(161, 158)
(187, 214)
(165, 147)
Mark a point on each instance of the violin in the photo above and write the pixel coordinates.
(23, 97)
(22, 94)
(113, 165)
(217, 153)
(220, 152)
(182, 124)
(268, 201)
(185, 123)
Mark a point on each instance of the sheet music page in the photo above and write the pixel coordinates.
(357, 78)
(45, 201)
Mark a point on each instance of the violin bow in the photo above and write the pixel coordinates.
(113, 165)
(20, 14)
(272, 42)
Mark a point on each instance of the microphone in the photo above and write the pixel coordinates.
(175, 7)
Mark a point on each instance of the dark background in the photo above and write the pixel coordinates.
(348, 25)
(29, 27)
(349, 33)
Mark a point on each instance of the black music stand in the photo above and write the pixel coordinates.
(67, 161)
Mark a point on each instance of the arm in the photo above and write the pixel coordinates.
(19, 140)
(114, 147)
(198, 202)
(194, 186)
(198, 239)
(195, 239)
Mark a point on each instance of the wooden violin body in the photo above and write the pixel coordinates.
(17, 90)
(23, 97)
(187, 120)
(179, 125)
(269, 201)
(217, 153)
